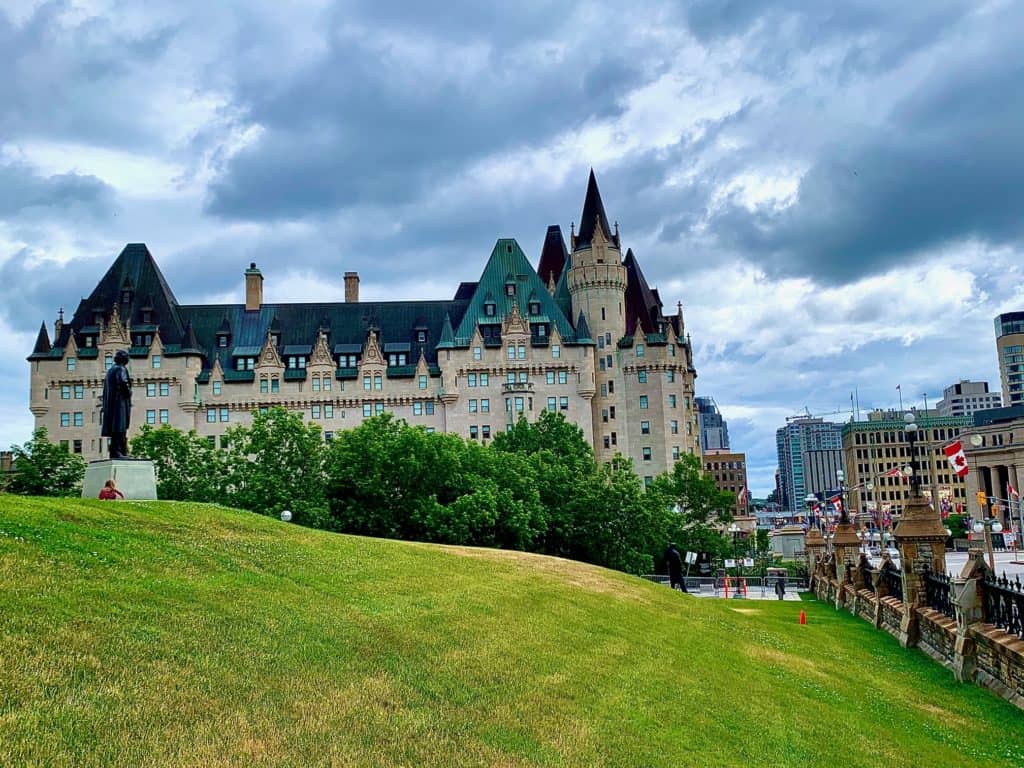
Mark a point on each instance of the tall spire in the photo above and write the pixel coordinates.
(593, 217)
(42, 346)
(447, 334)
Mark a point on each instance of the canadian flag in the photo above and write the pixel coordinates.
(894, 472)
(955, 453)
(742, 498)
(837, 502)
(1011, 491)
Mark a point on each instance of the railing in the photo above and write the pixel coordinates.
(1004, 604)
(937, 594)
(893, 583)
(716, 584)
(867, 574)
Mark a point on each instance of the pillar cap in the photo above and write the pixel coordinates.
(920, 522)
(846, 535)
(813, 538)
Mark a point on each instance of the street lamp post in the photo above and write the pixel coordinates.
(910, 428)
(988, 527)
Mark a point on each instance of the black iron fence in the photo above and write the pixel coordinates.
(938, 595)
(1004, 603)
(893, 583)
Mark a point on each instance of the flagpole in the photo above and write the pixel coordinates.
(898, 389)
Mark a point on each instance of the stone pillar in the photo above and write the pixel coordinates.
(966, 595)
(814, 548)
(921, 538)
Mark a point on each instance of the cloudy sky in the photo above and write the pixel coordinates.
(836, 194)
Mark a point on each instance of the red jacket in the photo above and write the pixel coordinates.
(110, 494)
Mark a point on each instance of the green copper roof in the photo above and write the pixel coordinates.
(507, 259)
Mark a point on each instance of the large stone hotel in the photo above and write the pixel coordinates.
(583, 335)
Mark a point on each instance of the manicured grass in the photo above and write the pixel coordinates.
(175, 634)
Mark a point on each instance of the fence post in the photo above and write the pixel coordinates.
(921, 538)
(966, 594)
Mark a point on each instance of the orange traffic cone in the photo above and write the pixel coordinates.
(803, 617)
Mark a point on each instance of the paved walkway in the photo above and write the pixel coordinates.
(1004, 563)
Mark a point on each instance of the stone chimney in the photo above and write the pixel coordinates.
(351, 287)
(253, 288)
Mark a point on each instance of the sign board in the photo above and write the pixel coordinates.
(691, 557)
(748, 562)
(730, 563)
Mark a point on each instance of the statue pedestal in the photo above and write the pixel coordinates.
(135, 479)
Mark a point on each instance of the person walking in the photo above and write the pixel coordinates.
(109, 492)
(780, 587)
(675, 567)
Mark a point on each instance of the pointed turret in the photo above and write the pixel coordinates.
(447, 334)
(583, 330)
(42, 346)
(191, 344)
(552, 256)
(593, 219)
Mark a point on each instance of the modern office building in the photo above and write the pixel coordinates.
(876, 450)
(810, 454)
(582, 334)
(1010, 349)
(965, 397)
(714, 432)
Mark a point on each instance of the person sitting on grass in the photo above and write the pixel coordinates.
(109, 492)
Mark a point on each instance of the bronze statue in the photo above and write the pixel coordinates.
(117, 406)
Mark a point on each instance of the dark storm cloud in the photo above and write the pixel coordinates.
(26, 193)
(370, 123)
(32, 290)
(947, 166)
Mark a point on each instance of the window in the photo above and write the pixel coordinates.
(72, 363)
(473, 432)
(156, 361)
(604, 415)
(367, 383)
(671, 401)
(328, 411)
(151, 417)
(316, 383)
(600, 363)
(222, 341)
(534, 307)
(563, 377)
(264, 386)
(151, 390)
(641, 376)
(674, 427)
(522, 351)
(472, 405)
(108, 362)
(646, 452)
(224, 414)
(471, 380)
(556, 350)
(643, 402)
(522, 377)
(511, 353)
(275, 386)
(484, 378)
(417, 409)
(477, 354)
(510, 289)
(367, 410)
(611, 387)
(421, 337)
(65, 392)
(79, 419)
(600, 342)
(639, 350)
(165, 416)
(552, 403)
(563, 403)
(520, 404)
(77, 446)
(645, 427)
(603, 314)
(378, 409)
(212, 440)
(607, 442)
(550, 377)
(79, 391)
(314, 411)
(609, 359)
(486, 431)
(485, 405)
(541, 330)
(604, 390)
(165, 389)
(397, 358)
(647, 481)
(378, 382)
(423, 381)
(490, 308)
(211, 415)
(670, 376)
(65, 419)
(430, 409)
(671, 350)
(612, 409)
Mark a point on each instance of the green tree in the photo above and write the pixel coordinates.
(188, 467)
(42, 468)
(957, 525)
(277, 463)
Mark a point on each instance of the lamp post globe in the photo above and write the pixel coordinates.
(286, 516)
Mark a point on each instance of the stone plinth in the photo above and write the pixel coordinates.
(814, 547)
(136, 479)
(921, 538)
(846, 545)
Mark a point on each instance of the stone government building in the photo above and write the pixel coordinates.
(583, 335)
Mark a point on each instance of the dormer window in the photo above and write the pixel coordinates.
(540, 330)
(397, 359)
(126, 297)
(275, 339)
(97, 317)
(142, 339)
(147, 316)
(90, 341)
(296, 362)
(534, 307)
(510, 289)
(490, 308)
(421, 337)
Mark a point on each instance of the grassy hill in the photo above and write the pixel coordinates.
(176, 634)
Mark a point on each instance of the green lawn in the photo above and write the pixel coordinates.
(146, 634)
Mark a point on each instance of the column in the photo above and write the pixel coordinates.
(921, 538)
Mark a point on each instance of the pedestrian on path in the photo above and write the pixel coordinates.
(780, 587)
(675, 567)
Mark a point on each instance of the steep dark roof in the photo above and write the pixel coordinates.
(582, 329)
(643, 307)
(508, 260)
(136, 267)
(42, 347)
(447, 334)
(553, 255)
(593, 216)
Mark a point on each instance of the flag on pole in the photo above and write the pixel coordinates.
(955, 453)
(742, 498)
(1011, 491)
(894, 472)
(837, 502)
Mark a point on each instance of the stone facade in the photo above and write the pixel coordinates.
(589, 340)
